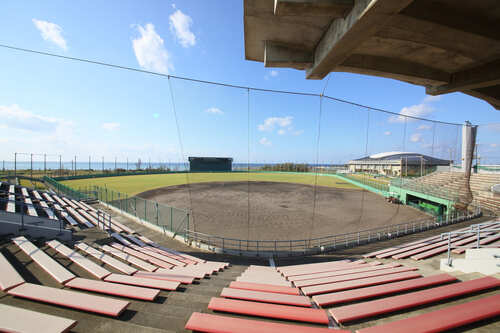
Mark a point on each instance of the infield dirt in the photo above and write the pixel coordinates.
(282, 211)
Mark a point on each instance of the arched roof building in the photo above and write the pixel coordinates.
(394, 162)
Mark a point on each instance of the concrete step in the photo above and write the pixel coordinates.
(482, 253)
(483, 266)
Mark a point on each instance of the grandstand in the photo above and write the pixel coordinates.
(451, 185)
(119, 268)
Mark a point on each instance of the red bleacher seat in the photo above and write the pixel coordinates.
(361, 269)
(204, 322)
(67, 298)
(142, 282)
(129, 258)
(166, 276)
(381, 290)
(371, 281)
(390, 304)
(116, 289)
(341, 278)
(261, 296)
(259, 309)
(264, 287)
(442, 319)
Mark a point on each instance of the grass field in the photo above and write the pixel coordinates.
(132, 185)
(379, 179)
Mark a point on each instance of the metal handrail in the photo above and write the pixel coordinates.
(319, 244)
(474, 229)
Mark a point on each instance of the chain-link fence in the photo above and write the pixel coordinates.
(170, 218)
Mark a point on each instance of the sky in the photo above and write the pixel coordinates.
(59, 107)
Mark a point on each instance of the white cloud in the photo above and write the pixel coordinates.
(111, 126)
(180, 25)
(418, 110)
(272, 122)
(281, 132)
(274, 73)
(494, 145)
(265, 142)
(495, 127)
(424, 127)
(298, 132)
(51, 32)
(15, 117)
(387, 133)
(416, 137)
(214, 110)
(430, 99)
(150, 51)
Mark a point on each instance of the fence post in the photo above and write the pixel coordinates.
(119, 199)
(157, 216)
(449, 249)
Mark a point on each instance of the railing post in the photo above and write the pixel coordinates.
(478, 233)
(449, 249)
(171, 219)
(157, 215)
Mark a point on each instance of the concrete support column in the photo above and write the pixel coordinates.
(469, 132)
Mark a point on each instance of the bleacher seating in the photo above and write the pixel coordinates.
(401, 302)
(435, 245)
(443, 319)
(451, 185)
(296, 298)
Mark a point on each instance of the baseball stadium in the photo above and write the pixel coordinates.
(144, 201)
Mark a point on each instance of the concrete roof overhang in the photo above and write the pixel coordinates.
(443, 45)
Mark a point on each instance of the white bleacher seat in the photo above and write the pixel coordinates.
(31, 209)
(80, 260)
(11, 205)
(24, 192)
(16, 319)
(55, 269)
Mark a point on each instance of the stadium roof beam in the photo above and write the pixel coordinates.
(393, 68)
(443, 45)
(330, 8)
(344, 35)
(486, 75)
(279, 55)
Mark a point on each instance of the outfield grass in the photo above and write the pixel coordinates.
(133, 185)
(379, 179)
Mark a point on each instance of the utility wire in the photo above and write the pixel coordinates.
(320, 112)
(248, 166)
(179, 136)
(213, 82)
